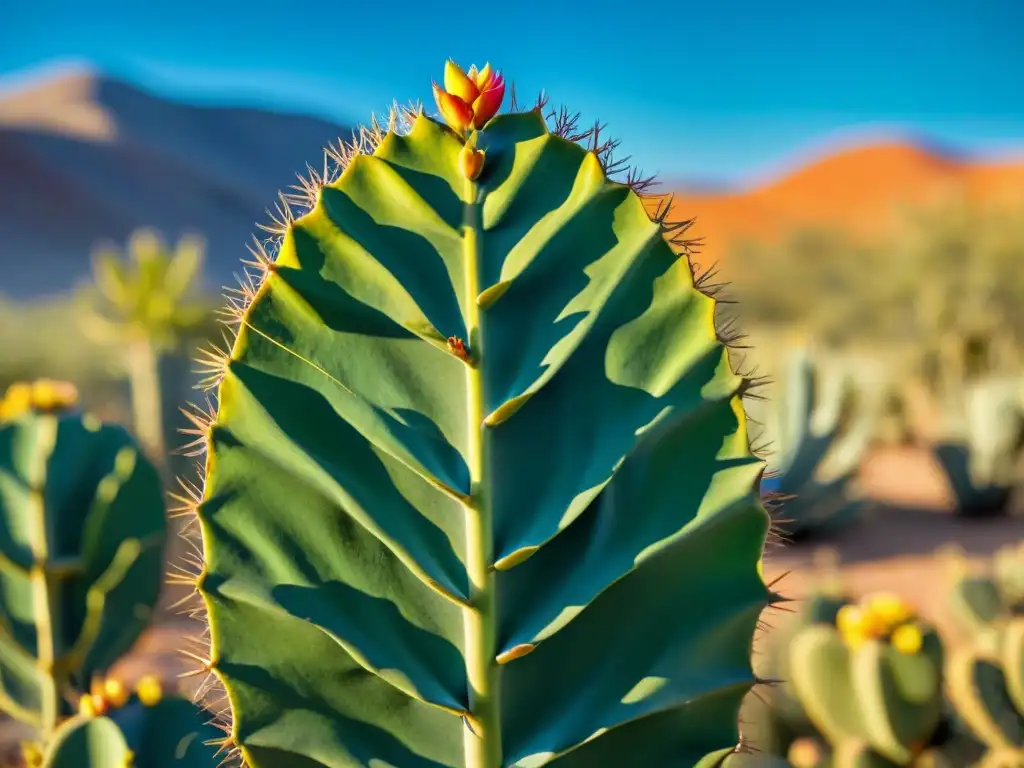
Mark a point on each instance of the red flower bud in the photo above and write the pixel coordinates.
(469, 99)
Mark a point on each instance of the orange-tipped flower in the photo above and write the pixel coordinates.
(487, 103)
(457, 113)
(469, 99)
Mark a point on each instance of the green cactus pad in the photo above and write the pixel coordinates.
(821, 678)
(786, 718)
(581, 476)
(90, 742)
(975, 602)
(977, 686)
(1012, 655)
(81, 548)
(173, 733)
(875, 695)
(899, 695)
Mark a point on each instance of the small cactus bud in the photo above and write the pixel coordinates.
(115, 692)
(31, 754)
(469, 100)
(907, 639)
(805, 753)
(471, 162)
(149, 690)
(888, 608)
(458, 347)
(87, 705)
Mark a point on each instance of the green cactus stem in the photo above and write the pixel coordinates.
(479, 490)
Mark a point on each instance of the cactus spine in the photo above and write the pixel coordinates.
(443, 475)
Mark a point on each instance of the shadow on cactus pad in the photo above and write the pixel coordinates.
(173, 733)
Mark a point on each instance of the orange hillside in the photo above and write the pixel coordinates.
(860, 190)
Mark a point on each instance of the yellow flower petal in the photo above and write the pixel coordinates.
(457, 83)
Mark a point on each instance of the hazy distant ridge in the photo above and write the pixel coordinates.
(84, 158)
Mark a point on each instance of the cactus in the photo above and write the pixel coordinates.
(1008, 574)
(777, 723)
(873, 683)
(478, 489)
(145, 305)
(81, 557)
(171, 733)
(981, 602)
(986, 685)
(981, 449)
(816, 454)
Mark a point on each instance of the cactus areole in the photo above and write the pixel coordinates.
(479, 490)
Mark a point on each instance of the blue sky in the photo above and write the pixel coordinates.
(724, 91)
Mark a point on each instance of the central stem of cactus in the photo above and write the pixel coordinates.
(483, 732)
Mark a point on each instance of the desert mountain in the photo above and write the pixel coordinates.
(865, 190)
(85, 158)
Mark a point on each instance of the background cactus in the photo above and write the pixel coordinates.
(981, 448)
(983, 600)
(816, 441)
(171, 733)
(80, 559)
(479, 490)
(775, 719)
(81, 562)
(872, 684)
(146, 305)
(986, 684)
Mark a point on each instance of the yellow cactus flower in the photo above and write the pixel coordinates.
(149, 690)
(16, 401)
(805, 753)
(43, 395)
(31, 754)
(115, 692)
(888, 609)
(851, 619)
(907, 639)
(87, 705)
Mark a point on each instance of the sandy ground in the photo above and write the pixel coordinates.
(896, 547)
